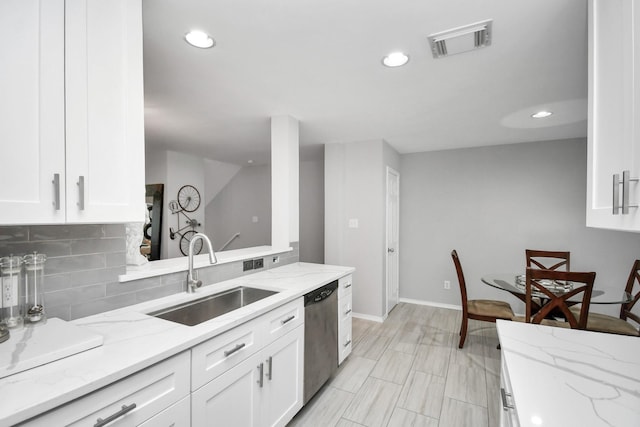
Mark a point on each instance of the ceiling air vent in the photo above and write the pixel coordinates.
(461, 39)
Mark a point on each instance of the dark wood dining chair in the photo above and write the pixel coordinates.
(557, 304)
(548, 260)
(478, 309)
(619, 325)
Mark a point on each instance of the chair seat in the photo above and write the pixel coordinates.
(489, 308)
(613, 325)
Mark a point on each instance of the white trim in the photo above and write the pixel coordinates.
(431, 303)
(391, 171)
(369, 317)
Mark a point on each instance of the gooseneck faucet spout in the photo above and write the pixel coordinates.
(192, 275)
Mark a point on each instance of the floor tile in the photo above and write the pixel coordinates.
(393, 366)
(406, 342)
(460, 414)
(466, 384)
(371, 346)
(353, 373)
(374, 403)
(324, 409)
(432, 359)
(403, 418)
(423, 393)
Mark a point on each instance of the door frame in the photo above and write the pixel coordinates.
(392, 281)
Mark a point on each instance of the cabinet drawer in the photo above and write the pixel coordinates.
(219, 354)
(345, 308)
(176, 415)
(345, 285)
(151, 390)
(284, 319)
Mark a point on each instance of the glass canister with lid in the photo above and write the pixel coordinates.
(34, 289)
(12, 283)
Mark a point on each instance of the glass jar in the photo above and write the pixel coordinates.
(34, 289)
(12, 302)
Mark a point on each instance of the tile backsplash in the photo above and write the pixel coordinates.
(84, 262)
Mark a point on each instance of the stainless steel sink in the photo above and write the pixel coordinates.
(203, 309)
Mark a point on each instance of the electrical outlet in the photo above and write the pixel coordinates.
(247, 265)
(258, 263)
(276, 259)
(447, 284)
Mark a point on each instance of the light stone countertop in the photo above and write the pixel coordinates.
(134, 340)
(565, 377)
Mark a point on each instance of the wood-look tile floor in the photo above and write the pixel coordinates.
(408, 371)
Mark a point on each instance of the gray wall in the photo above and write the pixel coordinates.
(491, 204)
(312, 211)
(84, 262)
(248, 194)
(355, 181)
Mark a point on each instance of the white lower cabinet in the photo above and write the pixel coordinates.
(344, 317)
(263, 390)
(176, 415)
(128, 402)
(508, 416)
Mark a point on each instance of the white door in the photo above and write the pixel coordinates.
(32, 111)
(393, 210)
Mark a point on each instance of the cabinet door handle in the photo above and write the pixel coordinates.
(228, 353)
(81, 192)
(100, 422)
(288, 319)
(347, 343)
(270, 363)
(626, 179)
(616, 194)
(505, 405)
(347, 312)
(348, 285)
(56, 191)
(261, 374)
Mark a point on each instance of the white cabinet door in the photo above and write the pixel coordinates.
(104, 111)
(614, 110)
(345, 296)
(32, 111)
(284, 368)
(232, 399)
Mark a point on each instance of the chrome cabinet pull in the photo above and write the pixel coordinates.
(347, 312)
(56, 191)
(505, 404)
(270, 363)
(616, 194)
(348, 285)
(228, 353)
(347, 343)
(100, 422)
(288, 319)
(261, 379)
(81, 192)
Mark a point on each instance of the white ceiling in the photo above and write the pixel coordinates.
(320, 62)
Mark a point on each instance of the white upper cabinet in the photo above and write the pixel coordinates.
(614, 114)
(74, 111)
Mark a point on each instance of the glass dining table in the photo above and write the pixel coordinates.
(514, 284)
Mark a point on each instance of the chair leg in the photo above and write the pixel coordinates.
(463, 331)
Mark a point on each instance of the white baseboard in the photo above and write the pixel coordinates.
(378, 319)
(431, 303)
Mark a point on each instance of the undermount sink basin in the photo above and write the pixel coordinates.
(203, 309)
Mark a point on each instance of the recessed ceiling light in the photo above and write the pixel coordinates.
(395, 59)
(541, 114)
(199, 39)
(250, 162)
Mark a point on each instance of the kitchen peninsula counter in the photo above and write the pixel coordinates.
(134, 340)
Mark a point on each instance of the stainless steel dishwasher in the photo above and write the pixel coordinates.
(320, 337)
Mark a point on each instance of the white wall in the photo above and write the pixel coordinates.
(246, 196)
(491, 204)
(312, 211)
(216, 176)
(355, 190)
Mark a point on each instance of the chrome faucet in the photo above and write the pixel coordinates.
(192, 276)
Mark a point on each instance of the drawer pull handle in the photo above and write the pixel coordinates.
(347, 343)
(347, 312)
(288, 319)
(100, 422)
(80, 184)
(505, 404)
(348, 285)
(270, 363)
(261, 378)
(228, 353)
(56, 191)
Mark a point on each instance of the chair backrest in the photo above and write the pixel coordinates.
(461, 282)
(548, 260)
(634, 277)
(582, 282)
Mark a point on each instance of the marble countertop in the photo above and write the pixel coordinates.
(133, 340)
(562, 377)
